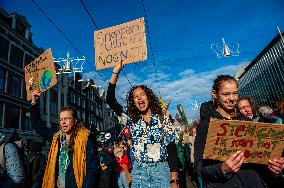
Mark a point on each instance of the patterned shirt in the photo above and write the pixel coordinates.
(150, 139)
(63, 164)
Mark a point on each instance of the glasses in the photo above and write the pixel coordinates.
(65, 119)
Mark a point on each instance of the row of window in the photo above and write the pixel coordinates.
(12, 117)
(16, 55)
(14, 83)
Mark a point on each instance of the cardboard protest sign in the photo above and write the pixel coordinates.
(125, 42)
(40, 74)
(260, 142)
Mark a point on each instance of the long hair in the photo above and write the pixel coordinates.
(75, 129)
(217, 83)
(154, 103)
(251, 102)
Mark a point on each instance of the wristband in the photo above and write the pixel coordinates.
(114, 72)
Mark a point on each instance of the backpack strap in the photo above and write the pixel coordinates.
(2, 156)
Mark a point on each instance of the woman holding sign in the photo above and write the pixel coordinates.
(154, 149)
(231, 172)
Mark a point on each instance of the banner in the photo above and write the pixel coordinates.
(260, 142)
(40, 74)
(125, 42)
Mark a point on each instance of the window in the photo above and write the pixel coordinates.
(2, 79)
(4, 49)
(20, 28)
(16, 85)
(54, 99)
(28, 59)
(13, 117)
(62, 100)
(1, 113)
(27, 124)
(16, 57)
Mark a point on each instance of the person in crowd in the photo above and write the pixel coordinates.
(247, 108)
(72, 159)
(280, 109)
(231, 172)
(153, 136)
(12, 170)
(267, 115)
(36, 164)
(107, 164)
(122, 166)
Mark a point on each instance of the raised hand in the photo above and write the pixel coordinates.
(35, 97)
(118, 68)
(233, 163)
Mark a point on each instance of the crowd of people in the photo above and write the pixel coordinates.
(153, 154)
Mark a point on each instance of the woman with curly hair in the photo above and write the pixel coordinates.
(154, 149)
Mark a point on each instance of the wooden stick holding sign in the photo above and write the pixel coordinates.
(260, 142)
(40, 74)
(125, 42)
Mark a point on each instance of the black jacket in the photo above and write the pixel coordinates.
(210, 170)
(92, 157)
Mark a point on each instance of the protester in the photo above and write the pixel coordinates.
(153, 136)
(267, 115)
(122, 166)
(247, 108)
(36, 164)
(72, 159)
(107, 164)
(280, 109)
(231, 172)
(12, 170)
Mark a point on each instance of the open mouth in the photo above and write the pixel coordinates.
(141, 104)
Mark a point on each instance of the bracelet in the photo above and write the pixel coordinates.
(114, 72)
(174, 181)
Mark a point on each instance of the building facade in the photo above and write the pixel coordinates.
(263, 78)
(18, 50)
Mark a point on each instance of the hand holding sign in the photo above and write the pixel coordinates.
(233, 163)
(276, 166)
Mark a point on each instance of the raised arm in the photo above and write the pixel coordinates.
(110, 97)
(37, 123)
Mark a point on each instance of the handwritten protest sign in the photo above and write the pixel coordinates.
(40, 74)
(260, 142)
(125, 42)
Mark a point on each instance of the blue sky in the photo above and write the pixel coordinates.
(183, 65)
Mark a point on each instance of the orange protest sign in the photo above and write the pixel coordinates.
(40, 74)
(260, 142)
(125, 42)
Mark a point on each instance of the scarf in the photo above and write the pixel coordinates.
(79, 159)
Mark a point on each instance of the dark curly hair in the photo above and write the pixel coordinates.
(154, 103)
